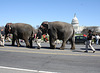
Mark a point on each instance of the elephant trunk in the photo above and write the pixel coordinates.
(6, 35)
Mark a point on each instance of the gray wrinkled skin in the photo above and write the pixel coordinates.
(58, 30)
(20, 31)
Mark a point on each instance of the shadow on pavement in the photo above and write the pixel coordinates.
(14, 45)
(50, 48)
(90, 49)
(77, 51)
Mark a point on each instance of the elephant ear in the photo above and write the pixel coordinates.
(9, 26)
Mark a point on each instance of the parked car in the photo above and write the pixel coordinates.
(80, 40)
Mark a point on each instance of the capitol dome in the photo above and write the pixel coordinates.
(75, 21)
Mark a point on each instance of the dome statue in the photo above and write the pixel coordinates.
(75, 21)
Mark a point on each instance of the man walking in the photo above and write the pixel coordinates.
(38, 37)
(89, 40)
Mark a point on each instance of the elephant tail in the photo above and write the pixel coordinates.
(73, 33)
(73, 36)
(34, 31)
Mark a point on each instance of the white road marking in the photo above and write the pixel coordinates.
(26, 70)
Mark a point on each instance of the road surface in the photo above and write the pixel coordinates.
(31, 60)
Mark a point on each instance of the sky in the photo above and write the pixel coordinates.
(34, 12)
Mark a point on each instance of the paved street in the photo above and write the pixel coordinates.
(31, 60)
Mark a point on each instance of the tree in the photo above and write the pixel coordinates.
(94, 29)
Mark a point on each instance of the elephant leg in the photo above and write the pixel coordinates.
(52, 44)
(13, 40)
(72, 43)
(27, 43)
(30, 40)
(17, 41)
(63, 45)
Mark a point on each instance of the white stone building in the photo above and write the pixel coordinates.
(76, 26)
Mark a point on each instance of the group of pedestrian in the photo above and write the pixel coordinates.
(89, 38)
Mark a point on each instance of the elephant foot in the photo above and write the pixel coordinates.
(61, 48)
(18, 45)
(28, 46)
(31, 46)
(73, 48)
(13, 45)
(53, 47)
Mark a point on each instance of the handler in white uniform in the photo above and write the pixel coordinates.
(38, 41)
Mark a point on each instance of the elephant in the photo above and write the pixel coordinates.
(59, 30)
(20, 31)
